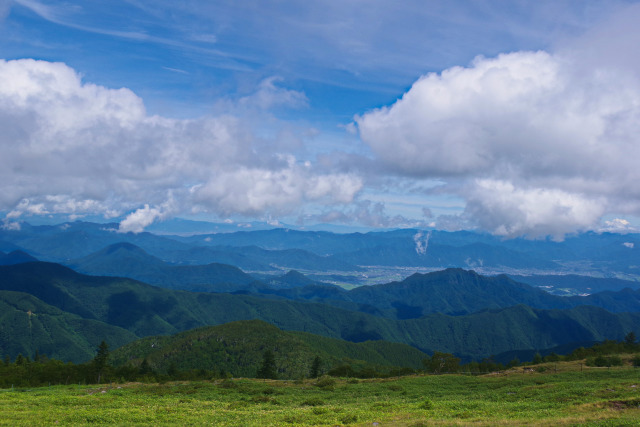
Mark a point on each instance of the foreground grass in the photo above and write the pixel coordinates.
(566, 397)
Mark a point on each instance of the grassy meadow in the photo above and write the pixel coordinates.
(564, 394)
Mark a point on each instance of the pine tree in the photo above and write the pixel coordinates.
(145, 368)
(101, 361)
(314, 372)
(630, 338)
(268, 369)
(20, 360)
(173, 371)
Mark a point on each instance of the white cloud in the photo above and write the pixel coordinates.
(74, 147)
(136, 221)
(367, 213)
(541, 145)
(269, 95)
(618, 225)
(10, 225)
(422, 242)
(505, 210)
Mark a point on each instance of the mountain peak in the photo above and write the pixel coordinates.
(123, 246)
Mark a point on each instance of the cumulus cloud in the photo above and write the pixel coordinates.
(507, 210)
(70, 146)
(618, 225)
(136, 221)
(541, 145)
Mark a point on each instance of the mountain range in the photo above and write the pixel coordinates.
(64, 288)
(592, 254)
(131, 309)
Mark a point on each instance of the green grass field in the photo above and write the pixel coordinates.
(520, 397)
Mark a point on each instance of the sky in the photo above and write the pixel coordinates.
(518, 118)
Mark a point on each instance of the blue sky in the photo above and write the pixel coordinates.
(514, 117)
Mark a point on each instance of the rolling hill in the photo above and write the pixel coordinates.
(237, 348)
(28, 324)
(145, 310)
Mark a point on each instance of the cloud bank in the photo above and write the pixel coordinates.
(73, 147)
(534, 142)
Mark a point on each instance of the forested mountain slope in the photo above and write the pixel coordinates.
(146, 310)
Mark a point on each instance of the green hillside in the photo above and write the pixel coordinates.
(237, 348)
(145, 310)
(28, 325)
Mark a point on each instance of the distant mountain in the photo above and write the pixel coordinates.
(575, 284)
(127, 260)
(60, 243)
(262, 250)
(145, 310)
(15, 257)
(7, 247)
(474, 255)
(454, 292)
(237, 348)
(292, 279)
(200, 255)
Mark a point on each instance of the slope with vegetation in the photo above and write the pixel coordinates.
(452, 291)
(565, 397)
(238, 348)
(145, 310)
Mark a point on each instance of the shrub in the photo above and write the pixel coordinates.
(228, 383)
(427, 404)
(325, 381)
(604, 361)
(349, 418)
(314, 401)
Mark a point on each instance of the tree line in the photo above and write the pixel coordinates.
(42, 371)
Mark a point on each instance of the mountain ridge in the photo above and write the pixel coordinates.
(146, 310)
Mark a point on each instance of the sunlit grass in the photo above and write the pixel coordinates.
(520, 397)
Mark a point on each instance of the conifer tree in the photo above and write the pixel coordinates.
(630, 338)
(268, 369)
(314, 372)
(145, 368)
(101, 361)
(20, 360)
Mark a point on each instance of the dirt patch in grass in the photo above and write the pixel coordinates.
(621, 405)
